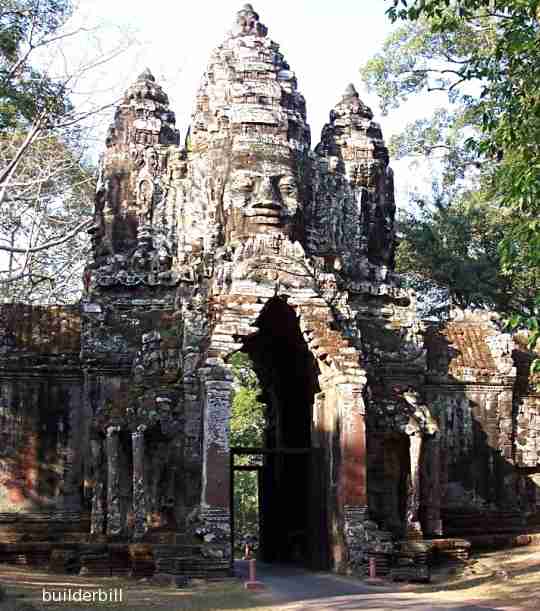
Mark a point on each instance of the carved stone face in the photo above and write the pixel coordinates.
(257, 202)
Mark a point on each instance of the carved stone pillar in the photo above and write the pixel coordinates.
(97, 516)
(431, 484)
(352, 476)
(114, 514)
(139, 484)
(218, 389)
(413, 527)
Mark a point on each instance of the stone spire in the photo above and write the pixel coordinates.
(143, 117)
(353, 144)
(350, 91)
(249, 127)
(130, 169)
(247, 23)
(146, 75)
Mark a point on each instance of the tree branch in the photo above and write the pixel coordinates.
(8, 171)
(80, 227)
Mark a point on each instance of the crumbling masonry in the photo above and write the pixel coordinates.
(114, 438)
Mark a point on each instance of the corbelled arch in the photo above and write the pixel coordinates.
(337, 414)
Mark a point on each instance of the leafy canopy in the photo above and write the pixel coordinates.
(485, 55)
(26, 92)
(247, 418)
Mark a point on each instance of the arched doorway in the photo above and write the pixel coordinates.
(293, 477)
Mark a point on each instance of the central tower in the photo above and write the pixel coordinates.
(243, 239)
(249, 141)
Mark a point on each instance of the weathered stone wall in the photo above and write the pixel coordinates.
(470, 422)
(42, 428)
(41, 463)
(471, 388)
(132, 357)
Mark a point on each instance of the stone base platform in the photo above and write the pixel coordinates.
(449, 549)
(458, 549)
(60, 526)
(411, 559)
(116, 559)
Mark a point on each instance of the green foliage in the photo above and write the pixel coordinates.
(25, 92)
(464, 9)
(247, 420)
(419, 57)
(247, 430)
(246, 509)
(485, 55)
(443, 137)
(456, 245)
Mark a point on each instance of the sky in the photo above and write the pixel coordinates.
(325, 42)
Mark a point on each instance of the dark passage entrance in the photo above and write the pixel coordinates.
(293, 511)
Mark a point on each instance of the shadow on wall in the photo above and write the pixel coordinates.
(34, 454)
(467, 388)
(40, 388)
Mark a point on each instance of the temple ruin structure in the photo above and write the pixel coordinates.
(382, 430)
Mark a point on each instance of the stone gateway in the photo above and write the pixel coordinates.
(386, 437)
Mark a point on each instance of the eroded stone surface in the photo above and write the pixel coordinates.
(115, 414)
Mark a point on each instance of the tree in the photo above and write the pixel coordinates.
(42, 215)
(454, 245)
(247, 430)
(46, 184)
(484, 55)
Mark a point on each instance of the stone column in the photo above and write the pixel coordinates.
(114, 514)
(97, 517)
(431, 493)
(217, 399)
(217, 383)
(139, 484)
(414, 530)
(352, 477)
(352, 486)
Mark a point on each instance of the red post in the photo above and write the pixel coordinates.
(252, 583)
(372, 568)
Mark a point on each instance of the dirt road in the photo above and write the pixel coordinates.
(292, 588)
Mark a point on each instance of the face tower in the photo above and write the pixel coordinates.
(244, 239)
(250, 138)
